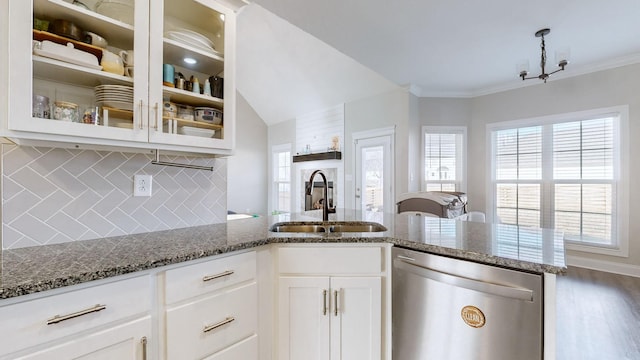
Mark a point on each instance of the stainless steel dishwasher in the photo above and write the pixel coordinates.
(445, 308)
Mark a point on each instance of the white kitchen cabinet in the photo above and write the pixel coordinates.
(303, 318)
(330, 303)
(211, 308)
(202, 278)
(356, 328)
(123, 342)
(99, 320)
(143, 126)
(330, 318)
(217, 23)
(202, 327)
(246, 349)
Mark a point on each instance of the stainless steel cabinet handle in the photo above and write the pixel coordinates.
(60, 318)
(324, 302)
(406, 258)
(140, 116)
(156, 113)
(221, 323)
(335, 302)
(217, 276)
(471, 284)
(143, 341)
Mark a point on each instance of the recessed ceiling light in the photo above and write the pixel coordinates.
(189, 60)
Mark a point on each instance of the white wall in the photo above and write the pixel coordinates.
(445, 111)
(620, 86)
(413, 145)
(380, 111)
(247, 168)
(283, 133)
(285, 72)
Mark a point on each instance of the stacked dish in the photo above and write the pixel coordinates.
(191, 38)
(121, 10)
(194, 131)
(115, 96)
(185, 111)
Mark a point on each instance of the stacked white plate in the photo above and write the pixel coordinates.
(194, 131)
(191, 38)
(115, 96)
(121, 10)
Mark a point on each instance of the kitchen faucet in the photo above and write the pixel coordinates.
(325, 203)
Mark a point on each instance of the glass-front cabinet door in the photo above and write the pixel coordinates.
(141, 73)
(191, 75)
(78, 69)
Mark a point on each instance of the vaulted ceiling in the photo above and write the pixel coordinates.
(332, 51)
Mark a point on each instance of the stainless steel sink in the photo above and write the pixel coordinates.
(327, 227)
(358, 227)
(283, 227)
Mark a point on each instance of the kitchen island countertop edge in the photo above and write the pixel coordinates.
(40, 268)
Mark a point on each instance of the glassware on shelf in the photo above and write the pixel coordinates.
(65, 111)
(41, 107)
(90, 115)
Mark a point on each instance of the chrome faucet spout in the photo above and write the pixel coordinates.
(326, 209)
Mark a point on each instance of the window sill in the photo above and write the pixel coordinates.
(611, 251)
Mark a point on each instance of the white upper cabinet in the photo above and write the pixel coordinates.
(133, 105)
(192, 31)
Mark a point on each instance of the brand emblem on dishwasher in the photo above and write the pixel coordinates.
(473, 316)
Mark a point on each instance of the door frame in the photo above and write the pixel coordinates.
(388, 133)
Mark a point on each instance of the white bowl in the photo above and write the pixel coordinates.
(95, 39)
(208, 115)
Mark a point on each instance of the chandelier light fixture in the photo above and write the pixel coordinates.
(562, 59)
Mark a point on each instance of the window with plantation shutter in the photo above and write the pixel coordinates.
(281, 178)
(518, 164)
(563, 174)
(584, 183)
(444, 158)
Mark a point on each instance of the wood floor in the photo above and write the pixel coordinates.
(598, 316)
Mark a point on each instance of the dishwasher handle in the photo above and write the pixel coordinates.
(471, 284)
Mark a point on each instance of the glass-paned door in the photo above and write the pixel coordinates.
(373, 186)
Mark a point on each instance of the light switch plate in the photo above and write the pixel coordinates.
(142, 185)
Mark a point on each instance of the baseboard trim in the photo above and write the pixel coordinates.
(601, 265)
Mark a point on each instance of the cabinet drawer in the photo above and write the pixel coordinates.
(121, 342)
(330, 261)
(197, 279)
(246, 350)
(191, 328)
(25, 324)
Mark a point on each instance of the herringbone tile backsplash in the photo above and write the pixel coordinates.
(53, 195)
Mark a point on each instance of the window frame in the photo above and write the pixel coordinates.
(274, 169)
(620, 244)
(462, 166)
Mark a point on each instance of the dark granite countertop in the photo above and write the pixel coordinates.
(30, 270)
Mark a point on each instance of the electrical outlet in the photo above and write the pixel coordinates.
(142, 185)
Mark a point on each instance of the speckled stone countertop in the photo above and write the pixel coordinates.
(34, 269)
